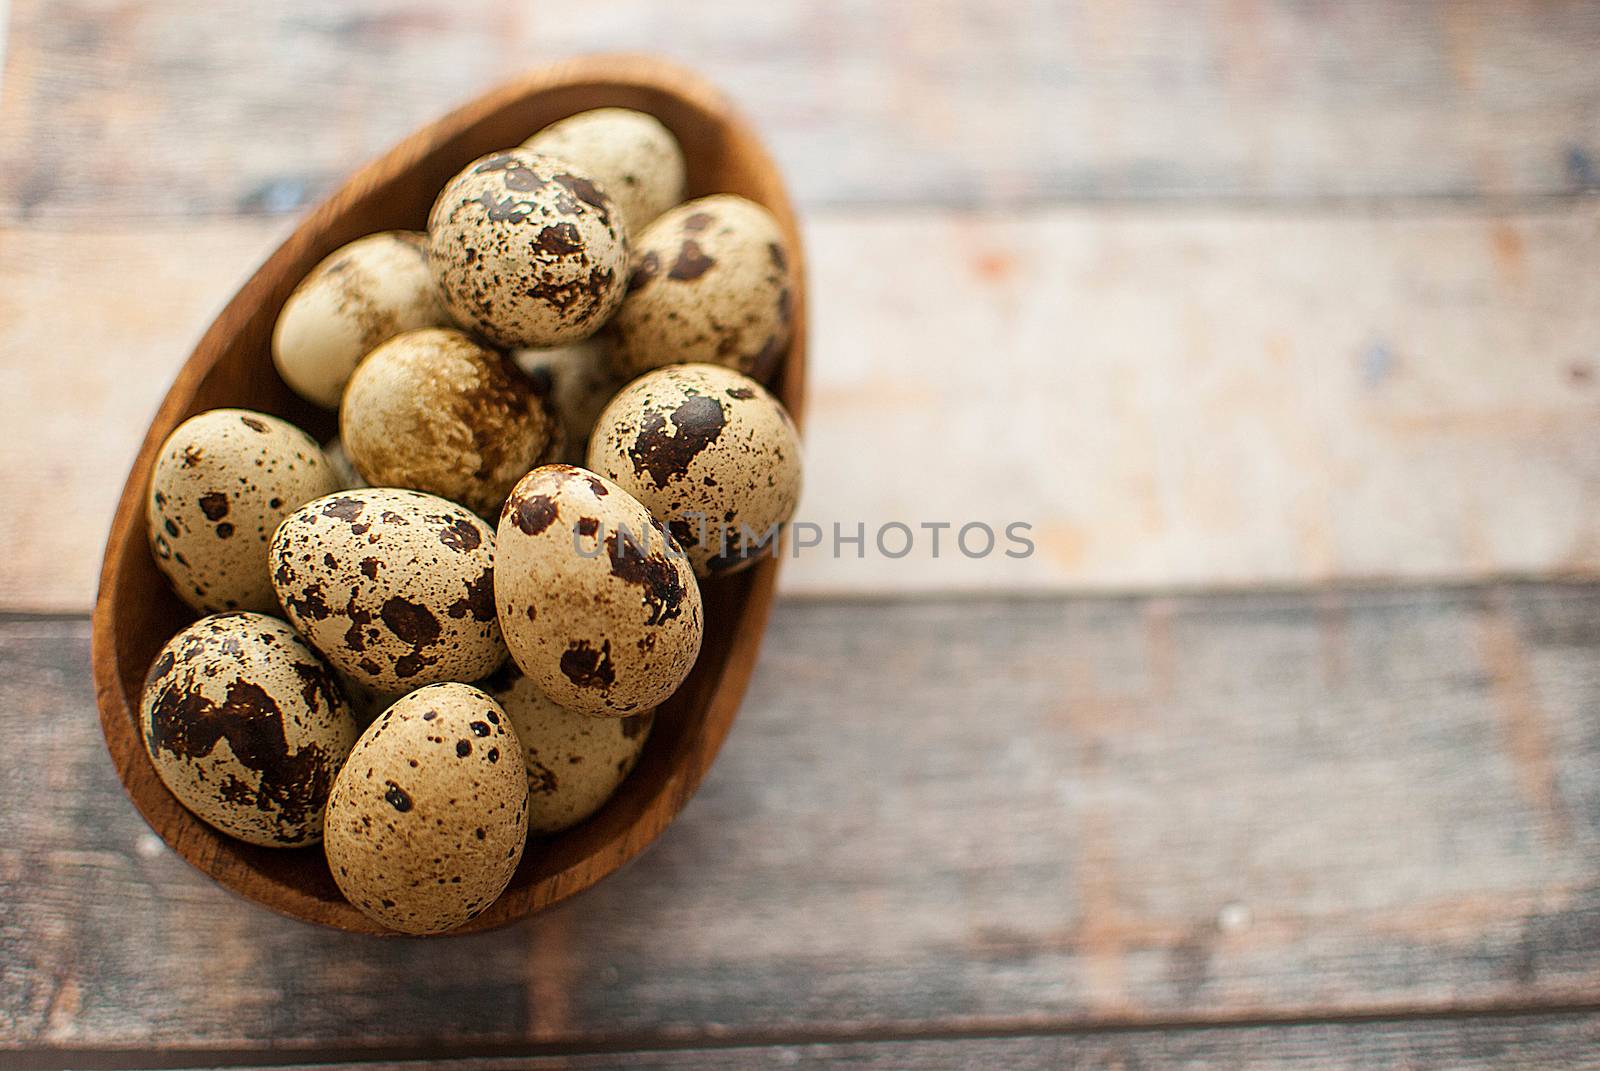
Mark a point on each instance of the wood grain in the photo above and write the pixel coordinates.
(966, 815)
(1362, 344)
(136, 611)
(1498, 1043)
(1205, 398)
(116, 110)
(1193, 397)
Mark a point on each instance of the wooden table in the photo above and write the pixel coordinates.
(1280, 323)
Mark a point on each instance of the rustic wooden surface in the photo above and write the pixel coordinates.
(966, 815)
(237, 107)
(1215, 295)
(1433, 1044)
(1238, 294)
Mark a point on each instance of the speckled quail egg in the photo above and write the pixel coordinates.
(434, 411)
(343, 467)
(221, 483)
(711, 454)
(576, 381)
(246, 727)
(632, 155)
(709, 283)
(362, 294)
(429, 816)
(366, 702)
(394, 588)
(597, 602)
(527, 250)
(574, 761)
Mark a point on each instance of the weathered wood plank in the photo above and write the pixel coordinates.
(1496, 1043)
(93, 326)
(111, 110)
(1195, 397)
(980, 814)
(1207, 398)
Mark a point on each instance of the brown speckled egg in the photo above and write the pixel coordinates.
(597, 602)
(362, 294)
(434, 411)
(366, 702)
(527, 250)
(574, 761)
(343, 467)
(710, 283)
(631, 154)
(428, 818)
(395, 588)
(221, 483)
(711, 454)
(576, 381)
(247, 727)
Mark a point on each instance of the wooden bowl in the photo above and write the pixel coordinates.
(136, 612)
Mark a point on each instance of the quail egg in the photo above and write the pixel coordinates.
(710, 453)
(574, 761)
(363, 293)
(366, 702)
(222, 482)
(434, 411)
(429, 815)
(598, 605)
(527, 251)
(631, 154)
(395, 588)
(710, 283)
(576, 381)
(343, 467)
(247, 727)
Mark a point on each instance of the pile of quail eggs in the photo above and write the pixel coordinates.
(448, 629)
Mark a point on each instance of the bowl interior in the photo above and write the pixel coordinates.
(137, 613)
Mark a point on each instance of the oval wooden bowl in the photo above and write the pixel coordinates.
(136, 613)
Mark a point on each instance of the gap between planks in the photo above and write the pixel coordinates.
(179, 1058)
(1420, 206)
(1404, 590)
(1315, 807)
